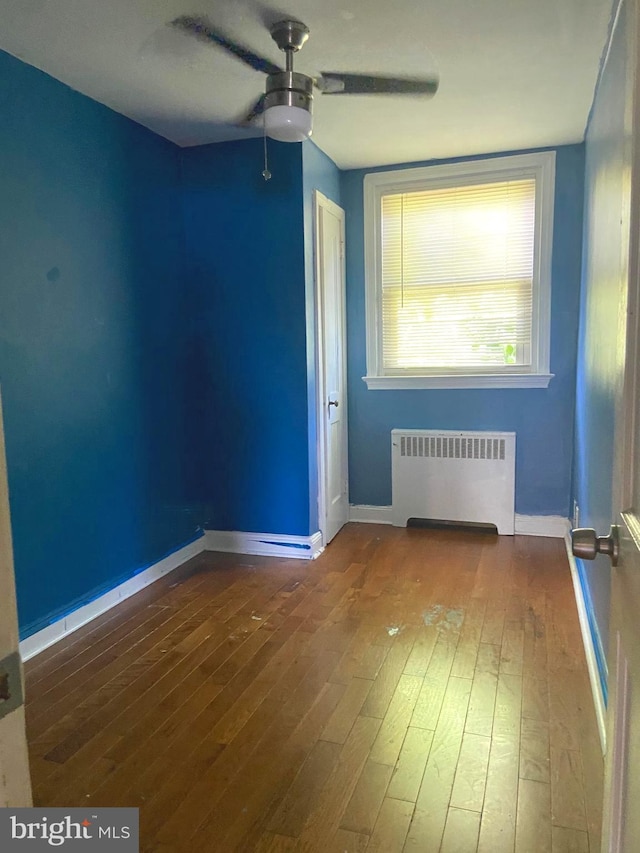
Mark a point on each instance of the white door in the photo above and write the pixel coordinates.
(333, 500)
(621, 831)
(15, 782)
(621, 252)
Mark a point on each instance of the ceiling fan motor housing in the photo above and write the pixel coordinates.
(289, 89)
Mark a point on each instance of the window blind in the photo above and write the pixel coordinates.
(457, 276)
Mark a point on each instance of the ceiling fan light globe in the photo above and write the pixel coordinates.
(287, 123)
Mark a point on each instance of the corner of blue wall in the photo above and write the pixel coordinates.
(247, 382)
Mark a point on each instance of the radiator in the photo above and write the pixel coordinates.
(447, 475)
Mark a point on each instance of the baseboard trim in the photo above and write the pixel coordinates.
(371, 514)
(553, 526)
(589, 641)
(41, 640)
(265, 544)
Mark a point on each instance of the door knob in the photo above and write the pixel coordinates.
(586, 545)
(334, 403)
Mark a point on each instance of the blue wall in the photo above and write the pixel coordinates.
(599, 362)
(319, 173)
(248, 377)
(542, 418)
(92, 343)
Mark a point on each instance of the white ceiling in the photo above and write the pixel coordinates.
(513, 73)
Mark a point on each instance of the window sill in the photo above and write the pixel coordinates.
(486, 380)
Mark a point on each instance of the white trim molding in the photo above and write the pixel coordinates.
(535, 370)
(41, 640)
(272, 545)
(265, 544)
(485, 380)
(589, 648)
(554, 526)
(371, 514)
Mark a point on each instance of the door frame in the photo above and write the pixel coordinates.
(319, 201)
(15, 778)
(624, 461)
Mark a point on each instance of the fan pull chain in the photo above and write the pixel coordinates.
(266, 174)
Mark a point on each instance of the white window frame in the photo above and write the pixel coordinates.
(540, 166)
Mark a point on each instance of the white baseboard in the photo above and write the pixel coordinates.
(371, 514)
(589, 649)
(554, 526)
(265, 544)
(41, 640)
(274, 545)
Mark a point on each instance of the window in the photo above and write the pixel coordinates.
(458, 274)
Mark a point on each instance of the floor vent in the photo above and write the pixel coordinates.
(454, 476)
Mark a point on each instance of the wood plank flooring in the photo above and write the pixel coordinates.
(410, 690)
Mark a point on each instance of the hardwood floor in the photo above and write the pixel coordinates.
(410, 690)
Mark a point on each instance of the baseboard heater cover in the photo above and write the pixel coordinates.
(454, 476)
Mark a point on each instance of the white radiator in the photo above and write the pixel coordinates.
(447, 475)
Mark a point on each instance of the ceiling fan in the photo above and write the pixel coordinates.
(287, 101)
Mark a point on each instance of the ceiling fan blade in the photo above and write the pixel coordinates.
(256, 110)
(335, 83)
(202, 29)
